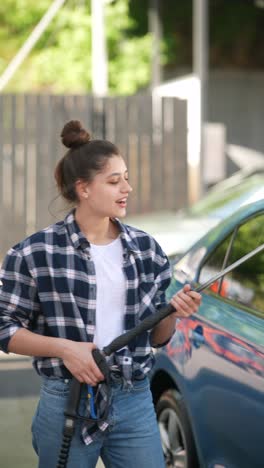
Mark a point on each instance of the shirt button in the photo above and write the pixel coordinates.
(127, 360)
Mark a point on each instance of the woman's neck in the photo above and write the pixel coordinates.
(97, 230)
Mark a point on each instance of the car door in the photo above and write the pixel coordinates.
(225, 374)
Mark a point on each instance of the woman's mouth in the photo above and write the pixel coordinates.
(122, 202)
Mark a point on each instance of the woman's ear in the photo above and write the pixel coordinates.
(82, 189)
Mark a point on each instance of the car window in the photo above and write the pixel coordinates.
(245, 284)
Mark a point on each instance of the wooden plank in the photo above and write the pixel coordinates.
(133, 155)
(138, 130)
(60, 109)
(8, 172)
(19, 192)
(156, 172)
(98, 118)
(110, 122)
(144, 123)
(169, 155)
(45, 161)
(12, 130)
(145, 148)
(121, 119)
(1, 173)
(30, 163)
(180, 161)
(88, 112)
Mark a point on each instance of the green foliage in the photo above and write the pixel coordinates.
(129, 57)
(65, 64)
(61, 60)
(131, 68)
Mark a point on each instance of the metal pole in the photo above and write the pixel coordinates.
(30, 42)
(200, 69)
(99, 50)
(155, 28)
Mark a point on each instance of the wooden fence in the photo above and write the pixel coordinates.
(155, 150)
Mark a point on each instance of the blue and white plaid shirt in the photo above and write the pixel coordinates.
(49, 287)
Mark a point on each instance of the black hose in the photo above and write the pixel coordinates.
(70, 420)
(64, 451)
(71, 410)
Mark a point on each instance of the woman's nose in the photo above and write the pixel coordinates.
(126, 187)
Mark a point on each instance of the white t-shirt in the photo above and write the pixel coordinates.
(111, 291)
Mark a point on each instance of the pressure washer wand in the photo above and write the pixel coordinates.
(149, 322)
(118, 343)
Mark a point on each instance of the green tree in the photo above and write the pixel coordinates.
(61, 60)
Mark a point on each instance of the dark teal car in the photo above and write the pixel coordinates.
(208, 382)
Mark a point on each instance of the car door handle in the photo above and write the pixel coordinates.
(197, 336)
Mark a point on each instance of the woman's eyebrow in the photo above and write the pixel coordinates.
(117, 173)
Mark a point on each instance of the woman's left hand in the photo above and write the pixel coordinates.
(186, 302)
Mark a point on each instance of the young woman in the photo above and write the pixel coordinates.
(77, 285)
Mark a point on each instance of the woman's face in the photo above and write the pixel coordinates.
(106, 195)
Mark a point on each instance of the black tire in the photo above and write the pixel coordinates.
(176, 433)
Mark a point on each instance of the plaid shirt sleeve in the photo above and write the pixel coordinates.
(18, 297)
(162, 280)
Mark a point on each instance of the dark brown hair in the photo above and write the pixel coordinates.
(85, 158)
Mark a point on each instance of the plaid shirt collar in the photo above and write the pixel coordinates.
(80, 241)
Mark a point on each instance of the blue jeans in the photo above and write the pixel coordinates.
(131, 440)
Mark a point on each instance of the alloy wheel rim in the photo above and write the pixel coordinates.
(172, 439)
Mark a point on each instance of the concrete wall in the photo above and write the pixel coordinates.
(237, 100)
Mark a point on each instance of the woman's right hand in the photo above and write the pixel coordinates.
(78, 359)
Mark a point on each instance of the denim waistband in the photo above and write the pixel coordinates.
(115, 377)
(56, 384)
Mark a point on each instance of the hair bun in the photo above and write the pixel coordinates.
(73, 134)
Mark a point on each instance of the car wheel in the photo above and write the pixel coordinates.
(176, 433)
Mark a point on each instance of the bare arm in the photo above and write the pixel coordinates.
(76, 356)
(186, 302)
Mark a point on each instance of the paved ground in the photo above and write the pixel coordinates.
(15, 437)
(19, 386)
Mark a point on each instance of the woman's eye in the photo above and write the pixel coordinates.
(114, 182)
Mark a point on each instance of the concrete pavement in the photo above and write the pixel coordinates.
(15, 436)
(19, 389)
